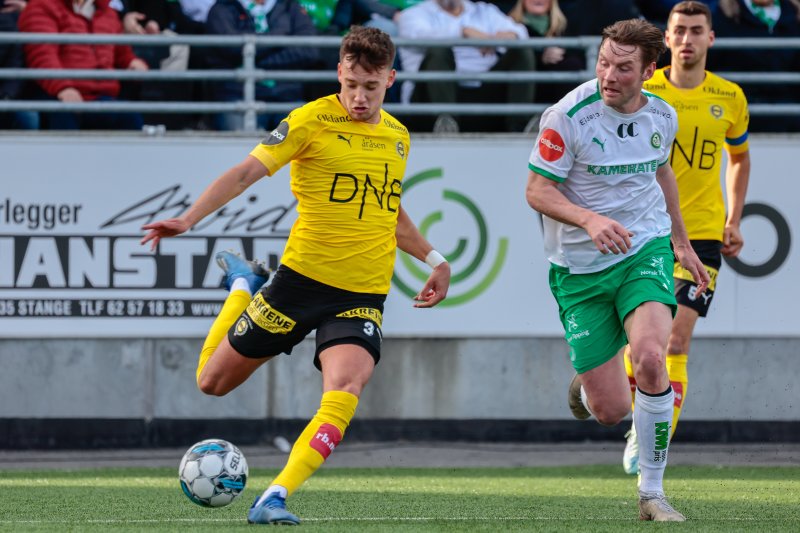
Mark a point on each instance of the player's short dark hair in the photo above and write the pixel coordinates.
(690, 8)
(637, 32)
(371, 48)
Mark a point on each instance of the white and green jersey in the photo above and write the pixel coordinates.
(606, 162)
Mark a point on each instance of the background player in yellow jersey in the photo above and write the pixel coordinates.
(348, 157)
(712, 114)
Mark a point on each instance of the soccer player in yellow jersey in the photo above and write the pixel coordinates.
(712, 114)
(348, 157)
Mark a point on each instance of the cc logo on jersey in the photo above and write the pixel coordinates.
(627, 130)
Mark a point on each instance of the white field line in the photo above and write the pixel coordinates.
(373, 519)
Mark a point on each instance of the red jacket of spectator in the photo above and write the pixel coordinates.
(58, 16)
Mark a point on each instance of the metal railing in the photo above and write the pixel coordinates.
(250, 75)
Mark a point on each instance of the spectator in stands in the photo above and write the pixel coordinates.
(197, 10)
(79, 16)
(437, 19)
(155, 17)
(11, 56)
(657, 11)
(389, 23)
(590, 17)
(336, 17)
(544, 18)
(766, 19)
(140, 17)
(273, 17)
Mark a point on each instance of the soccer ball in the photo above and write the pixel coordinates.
(213, 473)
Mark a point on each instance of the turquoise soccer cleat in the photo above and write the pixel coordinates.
(630, 459)
(236, 267)
(271, 510)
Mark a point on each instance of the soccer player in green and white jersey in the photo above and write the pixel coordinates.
(713, 114)
(600, 175)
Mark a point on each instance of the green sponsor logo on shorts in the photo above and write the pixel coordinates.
(463, 268)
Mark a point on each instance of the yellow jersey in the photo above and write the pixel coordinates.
(347, 178)
(711, 116)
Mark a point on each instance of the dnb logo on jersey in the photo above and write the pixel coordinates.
(551, 145)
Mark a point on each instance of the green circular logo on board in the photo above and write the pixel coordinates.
(465, 269)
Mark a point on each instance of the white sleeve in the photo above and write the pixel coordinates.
(674, 124)
(553, 154)
(419, 22)
(672, 131)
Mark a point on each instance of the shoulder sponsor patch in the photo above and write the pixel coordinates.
(278, 135)
(551, 145)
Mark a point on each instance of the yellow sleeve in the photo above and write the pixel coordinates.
(736, 141)
(285, 143)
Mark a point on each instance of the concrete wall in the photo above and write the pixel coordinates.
(440, 379)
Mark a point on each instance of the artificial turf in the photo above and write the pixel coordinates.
(577, 498)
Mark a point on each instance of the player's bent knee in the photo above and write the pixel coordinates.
(211, 386)
(651, 367)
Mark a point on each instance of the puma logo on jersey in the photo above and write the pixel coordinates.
(345, 139)
(601, 144)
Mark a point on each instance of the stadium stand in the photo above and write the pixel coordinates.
(770, 80)
(734, 19)
(11, 56)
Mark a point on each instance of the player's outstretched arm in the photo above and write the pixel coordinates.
(737, 177)
(684, 253)
(221, 191)
(411, 241)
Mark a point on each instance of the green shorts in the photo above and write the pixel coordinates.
(593, 306)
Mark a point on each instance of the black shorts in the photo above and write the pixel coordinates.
(710, 254)
(284, 312)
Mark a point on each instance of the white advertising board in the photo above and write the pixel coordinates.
(71, 211)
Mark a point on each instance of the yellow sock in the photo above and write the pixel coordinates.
(319, 439)
(679, 378)
(629, 371)
(235, 303)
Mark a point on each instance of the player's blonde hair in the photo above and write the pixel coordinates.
(558, 21)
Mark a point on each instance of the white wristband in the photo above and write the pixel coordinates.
(434, 259)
